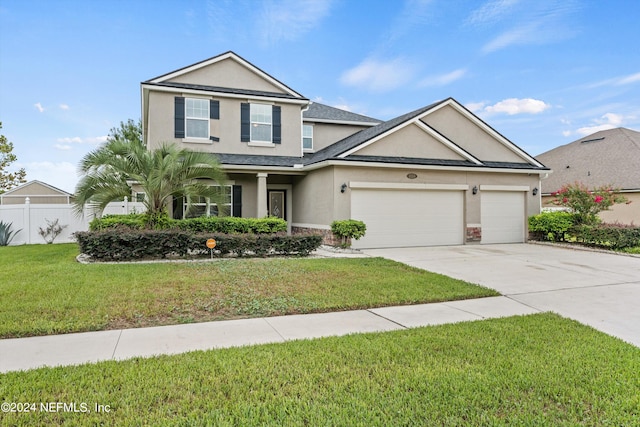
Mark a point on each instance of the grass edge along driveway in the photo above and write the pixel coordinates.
(44, 291)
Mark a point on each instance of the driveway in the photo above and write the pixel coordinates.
(598, 289)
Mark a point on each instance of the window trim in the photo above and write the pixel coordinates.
(207, 118)
(307, 150)
(257, 142)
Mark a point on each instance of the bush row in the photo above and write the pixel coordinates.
(614, 236)
(559, 226)
(212, 224)
(116, 244)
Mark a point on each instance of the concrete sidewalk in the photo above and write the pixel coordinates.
(72, 349)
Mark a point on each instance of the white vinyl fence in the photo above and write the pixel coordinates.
(29, 218)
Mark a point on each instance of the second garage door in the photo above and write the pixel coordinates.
(502, 215)
(403, 218)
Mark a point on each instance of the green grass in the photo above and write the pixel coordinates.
(539, 370)
(43, 290)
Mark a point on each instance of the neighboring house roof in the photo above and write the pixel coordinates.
(317, 112)
(31, 183)
(608, 157)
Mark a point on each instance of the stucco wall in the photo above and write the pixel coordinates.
(227, 73)
(227, 128)
(469, 136)
(325, 134)
(410, 141)
(313, 197)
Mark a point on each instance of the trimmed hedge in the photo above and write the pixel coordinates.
(122, 244)
(212, 224)
(614, 236)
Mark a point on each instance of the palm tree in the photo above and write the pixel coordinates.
(162, 174)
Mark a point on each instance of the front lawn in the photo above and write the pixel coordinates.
(539, 370)
(43, 290)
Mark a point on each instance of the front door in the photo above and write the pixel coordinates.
(277, 200)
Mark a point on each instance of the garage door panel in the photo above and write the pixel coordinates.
(402, 218)
(502, 216)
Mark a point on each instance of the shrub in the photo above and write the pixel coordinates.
(211, 224)
(348, 229)
(551, 225)
(585, 203)
(120, 244)
(133, 221)
(52, 230)
(6, 234)
(614, 236)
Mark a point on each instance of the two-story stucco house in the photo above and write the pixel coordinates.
(435, 176)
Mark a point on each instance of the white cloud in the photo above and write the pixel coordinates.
(607, 121)
(475, 107)
(514, 106)
(62, 175)
(617, 81)
(566, 132)
(443, 79)
(290, 19)
(490, 12)
(77, 140)
(378, 75)
(39, 107)
(62, 147)
(64, 107)
(536, 22)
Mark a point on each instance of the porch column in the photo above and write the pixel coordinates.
(262, 195)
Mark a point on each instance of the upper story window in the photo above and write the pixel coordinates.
(197, 118)
(260, 124)
(307, 137)
(261, 119)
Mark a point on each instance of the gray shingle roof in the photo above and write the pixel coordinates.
(350, 142)
(606, 157)
(364, 135)
(225, 90)
(325, 112)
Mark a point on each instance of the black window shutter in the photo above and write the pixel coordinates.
(277, 127)
(214, 109)
(179, 117)
(236, 209)
(245, 122)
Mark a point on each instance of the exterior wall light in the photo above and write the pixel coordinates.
(343, 188)
(535, 191)
(474, 190)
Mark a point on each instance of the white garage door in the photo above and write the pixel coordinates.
(402, 218)
(502, 216)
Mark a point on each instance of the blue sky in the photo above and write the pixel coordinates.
(541, 72)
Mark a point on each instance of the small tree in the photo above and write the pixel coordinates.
(585, 204)
(8, 180)
(348, 229)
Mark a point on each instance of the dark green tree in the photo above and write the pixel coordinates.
(8, 180)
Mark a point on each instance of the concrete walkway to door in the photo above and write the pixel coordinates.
(598, 289)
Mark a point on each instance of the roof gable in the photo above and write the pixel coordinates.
(35, 188)
(227, 70)
(608, 157)
(473, 135)
(416, 141)
(478, 143)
